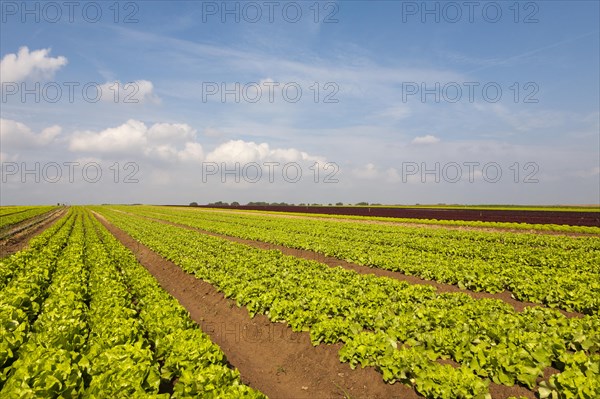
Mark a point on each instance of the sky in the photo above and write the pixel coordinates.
(393, 102)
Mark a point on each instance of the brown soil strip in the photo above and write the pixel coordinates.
(341, 219)
(270, 356)
(24, 231)
(505, 296)
(503, 392)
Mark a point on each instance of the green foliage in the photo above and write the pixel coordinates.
(10, 216)
(561, 272)
(214, 381)
(366, 348)
(403, 330)
(46, 373)
(186, 354)
(13, 331)
(80, 318)
(125, 370)
(580, 378)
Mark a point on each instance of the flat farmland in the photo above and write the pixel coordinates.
(571, 216)
(156, 301)
(300, 200)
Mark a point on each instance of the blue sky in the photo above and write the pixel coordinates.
(371, 60)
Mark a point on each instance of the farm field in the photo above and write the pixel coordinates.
(20, 223)
(300, 200)
(152, 301)
(446, 223)
(81, 318)
(550, 218)
(12, 215)
(558, 271)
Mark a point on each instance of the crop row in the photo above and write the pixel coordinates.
(187, 355)
(9, 217)
(560, 272)
(49, 363)
(24, 281)
(42, 248)
(105, 329)
(401, 329)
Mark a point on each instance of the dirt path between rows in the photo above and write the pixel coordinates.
(505, 296)
(14, 242)
(270, 356)
(341, 219)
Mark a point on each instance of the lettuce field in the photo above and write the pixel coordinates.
(160, 302)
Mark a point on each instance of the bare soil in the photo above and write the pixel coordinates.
(17, 237)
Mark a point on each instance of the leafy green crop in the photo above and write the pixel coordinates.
(580, 378)
(401, 329)
(561, 272)
(80, 318)
(185, 353)
(14, 215)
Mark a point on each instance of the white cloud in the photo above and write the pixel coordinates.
(428, 139)
(168, 132)
(292, 155)
(16, 135)
(177, 142)
(192, 152)
(238, 151)
(26, 65)
(130, 136)
(162, 141)
(249, 151)
(162, 152)
(136, 92)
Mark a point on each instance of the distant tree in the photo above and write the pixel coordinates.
(362, 203)
(193, 204)
(235, 203)
(339, 203)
